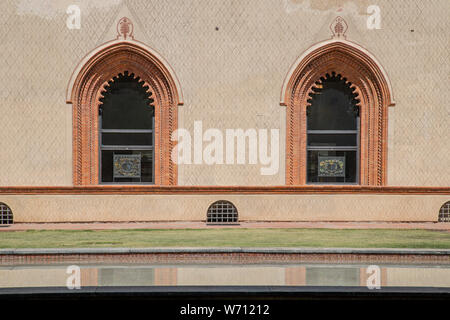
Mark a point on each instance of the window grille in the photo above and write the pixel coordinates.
(222, 212)
(444, 213)
(6, 216)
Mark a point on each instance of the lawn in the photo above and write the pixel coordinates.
(354, 238)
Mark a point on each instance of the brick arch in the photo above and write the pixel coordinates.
(374, 92)
(84, 92)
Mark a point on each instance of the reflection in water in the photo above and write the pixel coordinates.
(332, 276)
(182, 275)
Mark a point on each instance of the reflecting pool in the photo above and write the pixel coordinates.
(100, 275)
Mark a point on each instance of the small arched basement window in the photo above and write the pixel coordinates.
(6, 215)
(222, 212)
(444, 212)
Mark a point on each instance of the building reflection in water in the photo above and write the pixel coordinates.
(298, 275)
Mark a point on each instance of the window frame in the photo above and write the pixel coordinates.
(126, 147)
(85, 89)
(373, 88)
(335, 148)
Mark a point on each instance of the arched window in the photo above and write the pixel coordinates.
(6, 215)
(332, 131)
(117, 126)
(340, 118)
(444, 212)
(222, 212)
(126, 122)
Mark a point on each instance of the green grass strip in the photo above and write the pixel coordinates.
(344, 238)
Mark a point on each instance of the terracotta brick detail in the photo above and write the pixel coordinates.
(242, 258)
(166, 276)
(89, 277)
(196, 190)
(295, 276)
(107, 62)
(372, 86)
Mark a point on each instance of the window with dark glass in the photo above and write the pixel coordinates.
(126, 122)
(333, 132)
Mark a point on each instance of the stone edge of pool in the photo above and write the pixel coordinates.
(383, 251)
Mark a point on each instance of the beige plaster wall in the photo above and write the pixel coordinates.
(36, 277)
(229, 276)
(417, 277)
(230, 77)
(306, 207)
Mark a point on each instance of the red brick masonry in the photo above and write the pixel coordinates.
(222, 258)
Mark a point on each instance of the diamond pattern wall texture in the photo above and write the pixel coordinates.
(231, 58)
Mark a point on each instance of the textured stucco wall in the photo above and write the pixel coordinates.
(306, 207)
(416, 277)
(230, 77)
(50, 276)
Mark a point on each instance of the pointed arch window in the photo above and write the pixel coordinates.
(343, 115)
(333, 131)
(125, 99)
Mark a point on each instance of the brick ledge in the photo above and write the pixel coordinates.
(153, 189)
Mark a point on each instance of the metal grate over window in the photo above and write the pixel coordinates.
(222, 212)
(444, 213)
(6, 216)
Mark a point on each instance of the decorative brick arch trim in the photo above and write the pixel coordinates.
(360, 68)
(84, 91)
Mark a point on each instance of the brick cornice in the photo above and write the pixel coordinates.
(195, 190)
